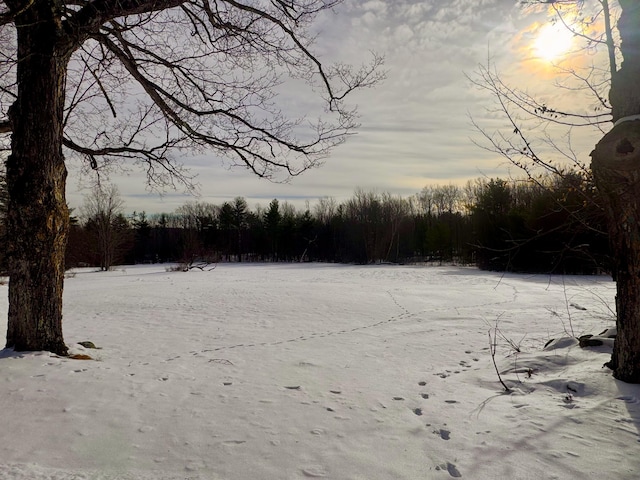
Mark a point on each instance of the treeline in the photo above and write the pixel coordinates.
(554, 224)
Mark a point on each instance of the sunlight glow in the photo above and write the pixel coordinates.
(553, 41)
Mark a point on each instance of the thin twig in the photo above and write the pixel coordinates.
(492, 349)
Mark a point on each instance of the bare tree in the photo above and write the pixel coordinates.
(325, 210)
(447, 198)
(376, 220)
(616, 167)
(394, 212)
(426, 199)
(538, 136)
(538, 139)
(138, 80)
(103, 217)
(615, 161)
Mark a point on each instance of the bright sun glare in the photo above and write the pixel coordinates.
(553, 41)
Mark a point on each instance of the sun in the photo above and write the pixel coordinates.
(553, 42)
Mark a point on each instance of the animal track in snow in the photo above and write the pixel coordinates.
(402, 316)
(450, 468)
(314, 471)
(395, 300)
(312, 335)
(628, 399)
(406, 314)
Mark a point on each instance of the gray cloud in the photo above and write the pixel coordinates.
(415, 126)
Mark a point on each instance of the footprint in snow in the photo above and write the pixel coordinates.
(231, 443)
(450, 468)
(628, 399)
(314, 471)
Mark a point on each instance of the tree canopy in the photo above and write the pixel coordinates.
(145, 81)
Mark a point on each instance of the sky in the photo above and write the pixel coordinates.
(415, 127)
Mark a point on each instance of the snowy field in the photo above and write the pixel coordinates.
(320, 371)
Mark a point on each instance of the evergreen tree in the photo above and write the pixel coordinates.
(272, 219)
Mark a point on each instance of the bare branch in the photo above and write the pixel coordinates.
(492, 82)
(574, 31)
(205, 74)
(155, 93)
(7, 17)
(161, 171)
(364, 78)
(611, 48)
(260, 144)
(88, 20)
(102, 89)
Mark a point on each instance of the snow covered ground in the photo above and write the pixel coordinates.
(320, 371)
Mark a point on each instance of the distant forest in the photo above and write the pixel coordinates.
(550, 225)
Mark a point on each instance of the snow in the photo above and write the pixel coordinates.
(321, 371)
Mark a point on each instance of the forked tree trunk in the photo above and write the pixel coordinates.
(616, 169)
(38, 218)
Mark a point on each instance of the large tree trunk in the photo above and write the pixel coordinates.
(616, 169)
(38, 218)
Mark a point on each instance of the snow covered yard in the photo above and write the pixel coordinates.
(320, 371)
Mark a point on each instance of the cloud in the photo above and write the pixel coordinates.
(415, 127)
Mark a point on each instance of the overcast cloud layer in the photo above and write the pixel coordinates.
(415, 127)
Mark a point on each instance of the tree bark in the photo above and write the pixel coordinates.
(38, 218)
(616, 170)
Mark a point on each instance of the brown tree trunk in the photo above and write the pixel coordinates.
(616, 169)
(38, 218)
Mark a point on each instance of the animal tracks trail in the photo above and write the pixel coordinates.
(423, 314)
(405, 314)
(325, 369)
(293, 372)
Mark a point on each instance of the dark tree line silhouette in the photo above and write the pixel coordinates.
(552, 225)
